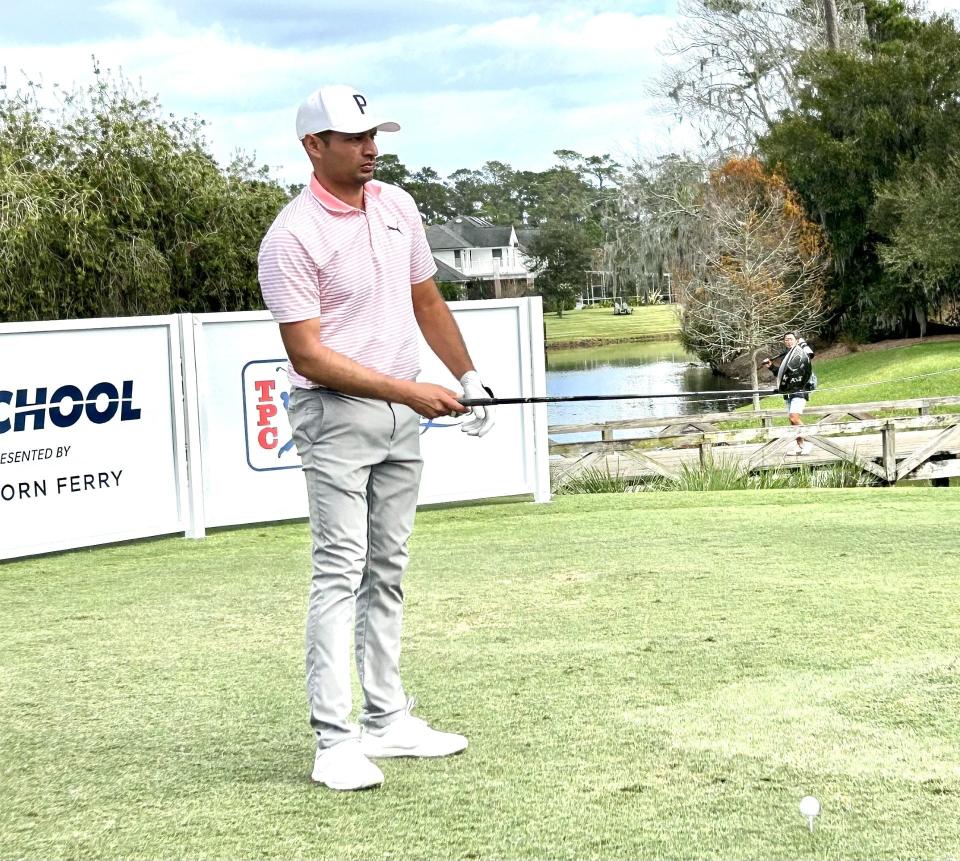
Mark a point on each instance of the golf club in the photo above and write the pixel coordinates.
(556, 399)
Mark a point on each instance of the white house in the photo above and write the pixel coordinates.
(489, 257)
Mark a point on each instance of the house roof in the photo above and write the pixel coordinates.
(440, 238)
(482, 235)
(468, 231)
(448, 273)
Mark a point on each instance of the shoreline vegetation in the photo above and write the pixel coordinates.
(580, 343)
(598, 327)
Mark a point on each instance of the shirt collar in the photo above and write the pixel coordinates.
(335, 204)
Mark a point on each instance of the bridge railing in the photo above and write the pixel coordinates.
(764, 444)
(678, 426)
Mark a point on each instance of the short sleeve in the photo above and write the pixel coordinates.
(422, 264)
(288, 278)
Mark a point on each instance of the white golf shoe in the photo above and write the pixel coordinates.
(410, 736)
(344, 767)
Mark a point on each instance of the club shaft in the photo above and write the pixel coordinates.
(559, 399)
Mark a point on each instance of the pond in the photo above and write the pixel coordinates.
(654, 367)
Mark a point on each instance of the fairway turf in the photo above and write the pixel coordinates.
(640, 676)
(600, 325)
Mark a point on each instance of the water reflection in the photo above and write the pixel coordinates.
(659, 367)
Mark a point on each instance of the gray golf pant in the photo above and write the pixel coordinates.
(361, 460)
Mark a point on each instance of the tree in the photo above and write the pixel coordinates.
(108, 207)
(563, 193)
(568, 211)
(500, 202)
(733, 63)
(393, 171)
(759, 271)
(431, 195)
(860, 121)
(570, 189)
(492, 192)
(466, 191)
(649, 228)
(562, 251)
(921, 254)
(603, 168)
(830, 27)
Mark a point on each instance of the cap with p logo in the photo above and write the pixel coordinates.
(339, 108)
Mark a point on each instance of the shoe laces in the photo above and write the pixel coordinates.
(408, 715)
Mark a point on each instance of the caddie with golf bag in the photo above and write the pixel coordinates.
(796, 380)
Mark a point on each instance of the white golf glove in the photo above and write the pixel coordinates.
(481, 418)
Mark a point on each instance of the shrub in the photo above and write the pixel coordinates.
(720, 475)
(592, 480)
(109, 207)
(451, 292)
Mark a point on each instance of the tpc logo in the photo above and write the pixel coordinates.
(266, 399)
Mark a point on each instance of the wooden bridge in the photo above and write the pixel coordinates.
(892, 440)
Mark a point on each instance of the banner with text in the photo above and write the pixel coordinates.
(91, 433)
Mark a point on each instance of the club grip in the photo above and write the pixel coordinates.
(479, 402)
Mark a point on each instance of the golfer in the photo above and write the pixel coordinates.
(347, 273)
(795, 401)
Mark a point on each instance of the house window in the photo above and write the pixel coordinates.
(497, 253)
(457, 259)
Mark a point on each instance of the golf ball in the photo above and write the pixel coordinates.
(809, 806)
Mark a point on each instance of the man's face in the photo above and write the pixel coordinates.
(789, 341)
(346, 159)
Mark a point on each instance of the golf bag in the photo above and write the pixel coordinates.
(795, 373)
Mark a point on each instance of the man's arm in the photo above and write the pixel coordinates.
(335, 371)
(442, 333)
(439, 328)
(774, 363)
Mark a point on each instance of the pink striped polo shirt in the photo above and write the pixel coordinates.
(353, 269)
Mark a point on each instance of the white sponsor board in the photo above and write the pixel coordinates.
(505, 340)
(118, 429)
(91, 433)
(249, 470)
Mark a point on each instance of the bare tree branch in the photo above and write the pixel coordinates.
(730, 63)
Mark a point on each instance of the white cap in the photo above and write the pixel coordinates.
(339, 108)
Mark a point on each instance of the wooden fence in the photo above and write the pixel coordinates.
(893, 440)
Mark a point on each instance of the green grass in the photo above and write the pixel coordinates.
(640, 676)
(596, 325)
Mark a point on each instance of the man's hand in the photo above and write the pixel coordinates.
(766, 363)
(481, 418)
(432, 401)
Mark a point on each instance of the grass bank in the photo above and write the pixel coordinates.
(595, 326)
(640, 676)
